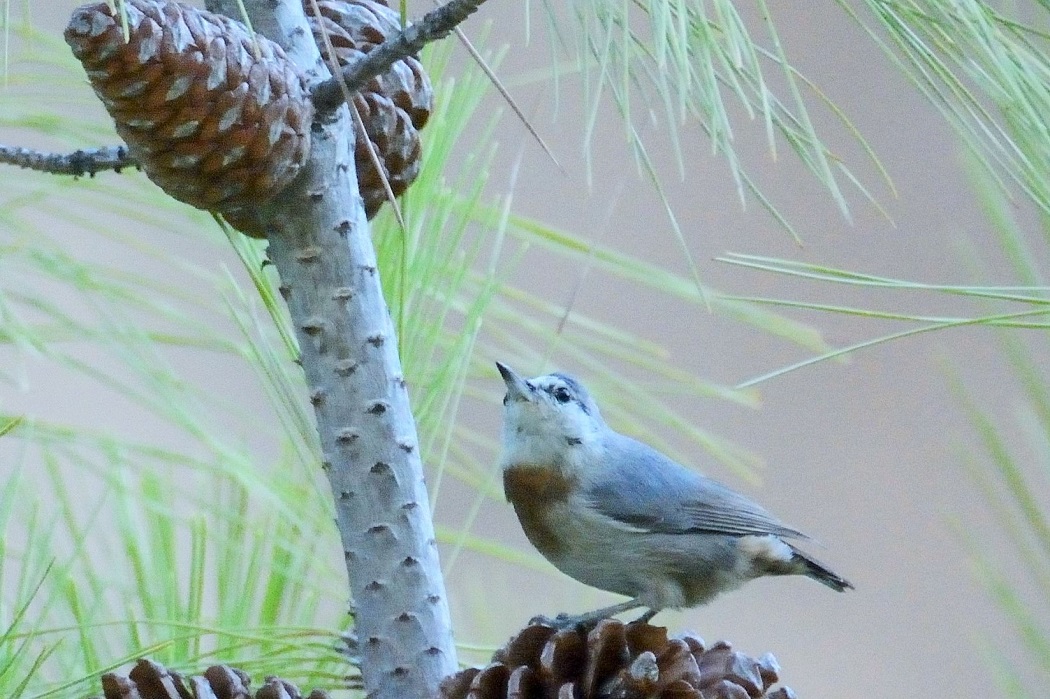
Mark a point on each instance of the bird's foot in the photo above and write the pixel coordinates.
(586, 622)
(581, 622)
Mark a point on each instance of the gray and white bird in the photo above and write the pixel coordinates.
(618, 515)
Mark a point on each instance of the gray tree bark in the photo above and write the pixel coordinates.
(320, 244)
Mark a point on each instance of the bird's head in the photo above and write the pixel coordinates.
(547, 415)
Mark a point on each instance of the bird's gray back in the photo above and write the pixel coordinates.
(641, 487)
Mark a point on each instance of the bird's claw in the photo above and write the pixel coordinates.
(541, 620)
(564, 621)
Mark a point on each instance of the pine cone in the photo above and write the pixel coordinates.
(150, 680)
(393, 106)
(616, 661)
(210, 122)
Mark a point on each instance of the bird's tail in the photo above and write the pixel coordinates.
(819, 572)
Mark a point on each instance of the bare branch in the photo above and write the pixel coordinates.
(77, 163)
(320, 243)
(436, 24)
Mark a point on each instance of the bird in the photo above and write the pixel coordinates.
(616, 514)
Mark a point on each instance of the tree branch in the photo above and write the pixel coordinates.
(77, 163)
(320, 243)
(434, 25)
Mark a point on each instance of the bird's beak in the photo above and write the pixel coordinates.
(517, 387)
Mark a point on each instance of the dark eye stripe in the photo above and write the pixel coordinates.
(576, 390)
(553, 390)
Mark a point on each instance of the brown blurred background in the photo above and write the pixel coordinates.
(865, 455)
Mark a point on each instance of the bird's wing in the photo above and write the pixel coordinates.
(641, 487)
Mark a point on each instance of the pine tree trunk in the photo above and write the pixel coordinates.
(320, 244)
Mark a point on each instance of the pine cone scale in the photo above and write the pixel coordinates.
(200, 687)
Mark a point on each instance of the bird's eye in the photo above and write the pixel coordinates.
(562, 395)
(505, 399)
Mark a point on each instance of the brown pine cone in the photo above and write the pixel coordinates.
(393, 106)
(210, 122)
(150, 680)
(616, 661)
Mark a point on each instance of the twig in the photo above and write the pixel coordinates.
(77, 163)
(434, 25)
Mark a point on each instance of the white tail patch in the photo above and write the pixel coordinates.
(765, 549)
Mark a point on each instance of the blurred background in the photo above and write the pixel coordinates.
(905, 460)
